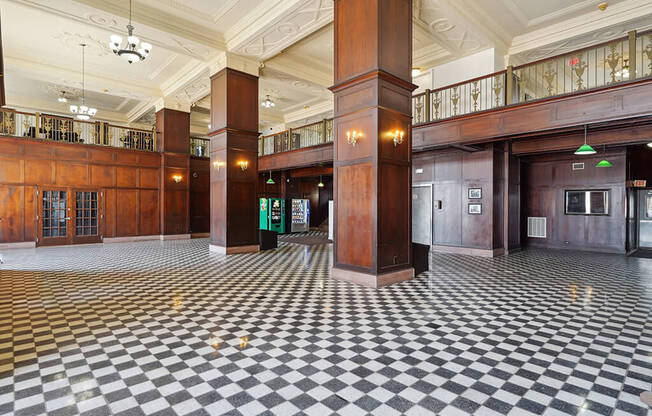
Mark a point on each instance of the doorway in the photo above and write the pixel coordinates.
(69, 216)
(645, 219)
(422, 214)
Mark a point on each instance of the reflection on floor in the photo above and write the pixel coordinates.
(169, 328)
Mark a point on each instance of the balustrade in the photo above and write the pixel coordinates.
(297, 138)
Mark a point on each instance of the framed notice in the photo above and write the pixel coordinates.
(475, 209)
(475, 193)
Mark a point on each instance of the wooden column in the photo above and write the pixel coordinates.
(173, 141)
(234, 162)
(372, 92)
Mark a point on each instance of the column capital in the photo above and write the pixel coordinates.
(237, 62)
(172, 103)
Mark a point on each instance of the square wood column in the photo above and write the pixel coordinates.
(173, 141)
(234, 162)
(372, 179)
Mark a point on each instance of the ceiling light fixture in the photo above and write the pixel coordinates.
(416, 72)
(268, 103)
(83, 112)
(270, 181)
(62, 98)
(130, 51)
(585, 149)
(321, 183)
(649, 144)
(604, 163)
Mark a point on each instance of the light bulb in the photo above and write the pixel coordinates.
(133, 41)
(83, 108)
(74, 108)
(147, 47)
(63, 99)
(116, 40)
(92, 111)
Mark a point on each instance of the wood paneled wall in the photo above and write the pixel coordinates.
(545, 180)
(451, 174)
(199, 195)
(128, 179)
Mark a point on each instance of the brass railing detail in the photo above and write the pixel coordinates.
(596, 66)
(200, 147)
(64, 129)
(297, 138)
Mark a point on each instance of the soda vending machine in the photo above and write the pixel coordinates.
(272, 214)
(300, 215)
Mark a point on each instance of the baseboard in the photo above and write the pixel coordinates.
(233, 250)
(200, 235)
(131, 239)
(22, 244)
(468, 251)
(167, 237)
(607, 250)
(371, 280)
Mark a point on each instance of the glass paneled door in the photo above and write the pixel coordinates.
(68, 216)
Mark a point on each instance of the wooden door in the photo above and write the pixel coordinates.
(55, 217)
(11, 198)
(85, 216)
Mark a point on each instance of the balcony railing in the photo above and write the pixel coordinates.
(63, 129)
(593, 67)
(305, 136)
(199, 147)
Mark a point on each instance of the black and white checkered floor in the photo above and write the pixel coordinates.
(169, 328)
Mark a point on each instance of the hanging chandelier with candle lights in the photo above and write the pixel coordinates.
(134, 50)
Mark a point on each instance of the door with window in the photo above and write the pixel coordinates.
(68, 216)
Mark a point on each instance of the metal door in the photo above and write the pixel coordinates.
(422, 214)
(645, 218)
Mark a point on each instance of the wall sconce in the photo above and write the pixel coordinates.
(243, 165)
(398, 137)
(177, 178)
(352, 137)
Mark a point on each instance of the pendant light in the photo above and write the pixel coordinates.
(585, 149)
(604, 163)
(270, 181)
(130, 51)
(83, 112)
(321, 183)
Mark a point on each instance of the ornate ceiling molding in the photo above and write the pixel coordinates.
(277, 24)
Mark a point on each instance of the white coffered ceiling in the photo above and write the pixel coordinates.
(292, 40)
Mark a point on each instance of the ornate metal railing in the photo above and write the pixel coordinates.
(199, 147)
(297, 138)
(63, 129)
(592, 67)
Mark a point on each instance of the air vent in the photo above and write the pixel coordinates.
(578, 166)
(536, 227)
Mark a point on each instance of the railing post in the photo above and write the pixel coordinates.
(632, 54)
(509, 85)
(288, 145)
(323, 131)
(37, 125)
(101, 135)
(426, 104)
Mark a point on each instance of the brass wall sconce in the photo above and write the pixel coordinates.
(243, 165)
(177, 178)
(352, 137)
(398, 137)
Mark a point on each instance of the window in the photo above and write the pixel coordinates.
(587, 202)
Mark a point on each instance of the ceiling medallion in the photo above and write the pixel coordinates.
(83, 112)
(130, 51)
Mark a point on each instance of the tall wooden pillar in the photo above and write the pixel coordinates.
(173, 141)
(234, 162)
(372, 177)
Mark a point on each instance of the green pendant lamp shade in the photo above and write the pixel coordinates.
(585, 149)
(604, 163)
(270, 181)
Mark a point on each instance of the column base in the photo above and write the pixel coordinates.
(233, 250)
(372, 280)
(166, 237)
(22, 244)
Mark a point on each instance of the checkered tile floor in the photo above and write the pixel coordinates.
(168, 328)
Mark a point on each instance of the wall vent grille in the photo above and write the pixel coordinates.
(578, 166)
(536, 227)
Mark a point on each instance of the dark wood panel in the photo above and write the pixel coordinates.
(109, 212)
(447, 220)
(102, 176)
(394, 226)
(308, 156)
(11, 170)
(127, 204)
(126, 177)
(72, 174)
(356, 38)
(149, 215)
(11, 214)
(173, 131)
(622, 101)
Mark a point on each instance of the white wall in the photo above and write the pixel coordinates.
(472, 66)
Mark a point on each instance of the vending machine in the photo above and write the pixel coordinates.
(272, 214)
(276, 215)
(300, 215)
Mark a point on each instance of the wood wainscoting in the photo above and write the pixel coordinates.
(127, 183)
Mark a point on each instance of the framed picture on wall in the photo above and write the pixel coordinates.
(475, 209)
(475, 193)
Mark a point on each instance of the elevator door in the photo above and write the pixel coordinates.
(645, 218)
(422, 214)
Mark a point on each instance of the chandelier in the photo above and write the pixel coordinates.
(83, 112)
(130, 51)
(268, 103)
